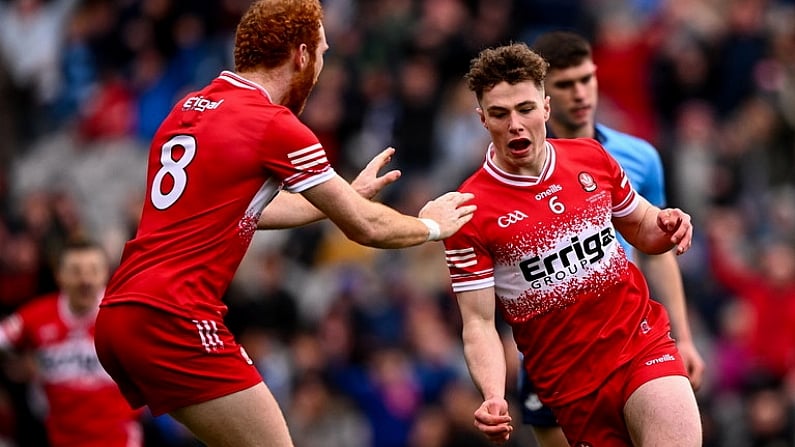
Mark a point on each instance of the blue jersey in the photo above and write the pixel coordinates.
(643, 166)
(640, 161)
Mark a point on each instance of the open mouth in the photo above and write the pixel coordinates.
(519, 144)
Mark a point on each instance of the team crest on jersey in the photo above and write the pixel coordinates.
(587, 181)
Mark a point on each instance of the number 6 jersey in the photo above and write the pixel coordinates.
(206, 188)
(548, 247)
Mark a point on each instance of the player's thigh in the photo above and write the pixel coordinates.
(248, 418)
(663, 413)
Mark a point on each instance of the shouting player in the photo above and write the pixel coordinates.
(543, 246)
(571, 84)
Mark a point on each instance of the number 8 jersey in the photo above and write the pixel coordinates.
(217, 160)
(548, 247)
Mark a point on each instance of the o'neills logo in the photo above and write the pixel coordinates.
(549, 191)
(663, 359)
(587, 182)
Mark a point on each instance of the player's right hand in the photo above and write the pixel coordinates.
(368, 183)
(676, 223)
(449, 211)
(494, 421)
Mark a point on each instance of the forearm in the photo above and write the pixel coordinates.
(649, 237)
(376, 225)
(654, 231)
(485, 357)
(288, 210)
(371, 224)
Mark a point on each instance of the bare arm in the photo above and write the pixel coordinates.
(376, 225)
(289, 210)
(654, 231)
(485, 357)
(665, 279)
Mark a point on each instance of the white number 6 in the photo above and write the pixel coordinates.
(555, 206)
(174, 168)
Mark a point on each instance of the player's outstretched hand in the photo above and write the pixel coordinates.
(676, 223)
(368, 183)
(449, 211)
(494, 421)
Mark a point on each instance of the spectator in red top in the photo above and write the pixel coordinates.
(766, 287)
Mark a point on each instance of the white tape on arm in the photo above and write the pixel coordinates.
(434, 231)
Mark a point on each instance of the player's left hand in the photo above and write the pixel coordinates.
(676, 223)
(368, 183)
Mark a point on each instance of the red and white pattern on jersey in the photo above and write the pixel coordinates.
(541, 260)
(85, 405)
(547, 247)
(568, 260)
(248, 223)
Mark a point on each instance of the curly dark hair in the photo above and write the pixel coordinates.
(562, 49)
(512, 63)
(271, 29)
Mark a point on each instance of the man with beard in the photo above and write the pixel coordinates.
(221, 156)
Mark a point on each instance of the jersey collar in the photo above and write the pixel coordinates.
(241, 82)
(520, 180)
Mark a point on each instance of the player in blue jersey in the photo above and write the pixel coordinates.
(573, 91)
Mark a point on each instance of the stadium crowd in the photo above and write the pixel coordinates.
(361, 347)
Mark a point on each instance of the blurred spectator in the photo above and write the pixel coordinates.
(320, 417)
(31, 36)
(764, 281)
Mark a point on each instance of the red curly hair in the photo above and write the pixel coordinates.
(271, 29)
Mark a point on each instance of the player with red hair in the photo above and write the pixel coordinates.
(228, 160)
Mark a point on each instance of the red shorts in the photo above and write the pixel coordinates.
(167, 361)
(598, 419)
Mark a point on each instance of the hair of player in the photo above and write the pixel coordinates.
(512, 63)
(562, 49)
(271, 29)
(78, 244)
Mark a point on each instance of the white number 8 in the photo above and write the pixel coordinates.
(174, 168)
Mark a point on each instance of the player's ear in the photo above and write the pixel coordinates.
(482, 116)
(301, 57)
(546, 108)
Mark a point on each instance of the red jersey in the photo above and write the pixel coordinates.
(561, 279)
(216, 161)
(85, 405)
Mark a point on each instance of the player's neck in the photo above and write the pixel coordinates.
(276, 82)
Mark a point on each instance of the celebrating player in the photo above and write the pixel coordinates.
(543, 245)
(571, 84)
